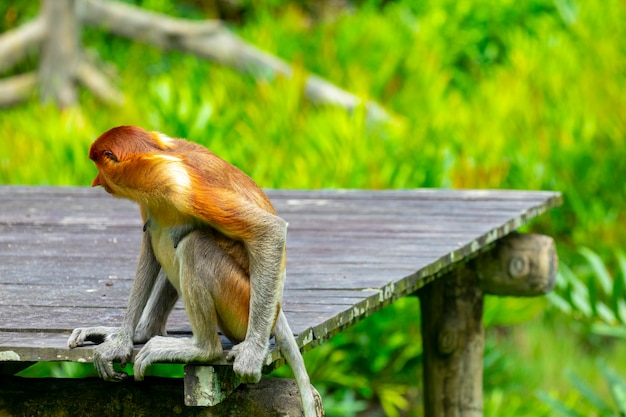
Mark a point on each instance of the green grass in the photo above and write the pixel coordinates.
(492, 94)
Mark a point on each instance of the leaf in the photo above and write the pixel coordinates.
(392, 399)
(557, 405)
(203, 117)
(599, 269)
(605, 313)
(604, 329)
(593, 295)
(580, 301)
(562, 277)
(565, 282)
(621, 311)
(619, 289)
(621, 259)
(588, 393)
(559, 302)
(578, 292)
(617, 387)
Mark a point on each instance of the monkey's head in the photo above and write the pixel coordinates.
(124, 157)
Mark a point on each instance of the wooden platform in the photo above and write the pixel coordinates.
(67, 256)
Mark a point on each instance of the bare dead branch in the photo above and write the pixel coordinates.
(211, 40)
(17, 89)
(16, 44)
(98, 83)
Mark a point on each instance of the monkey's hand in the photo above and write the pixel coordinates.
(117, 347)
(113, 346)
(248, 360)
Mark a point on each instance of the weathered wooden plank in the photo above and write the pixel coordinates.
(50, 201)
(323, 220)
(86, 295)
(27, 193)
(61, 319)
(395, 207)
(67, 255)
(103, 251)
(39, 346)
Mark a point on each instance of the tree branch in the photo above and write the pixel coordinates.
(18, 88)
(15, 44)
(211, 40)
(98, 83)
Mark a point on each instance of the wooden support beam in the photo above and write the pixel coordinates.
(521, 265)
(452, 329)
(154, 397)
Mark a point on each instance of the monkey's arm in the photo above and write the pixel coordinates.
(267, 277)
(118, 345)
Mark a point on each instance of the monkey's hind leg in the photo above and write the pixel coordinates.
(197, 283)
(154, 316)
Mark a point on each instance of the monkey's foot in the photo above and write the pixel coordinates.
(172, 349)
(95, 335)
(248, 361)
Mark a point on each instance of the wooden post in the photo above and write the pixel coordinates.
(452, 330)
(60, 52)
(453, 343)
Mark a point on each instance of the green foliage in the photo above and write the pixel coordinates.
(376, 360)
(593, 298)
(493, 94)
(59, 370)
(595, 403)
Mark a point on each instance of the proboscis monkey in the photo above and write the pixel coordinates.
(212, 237)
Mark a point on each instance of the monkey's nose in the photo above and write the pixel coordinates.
(96, 181)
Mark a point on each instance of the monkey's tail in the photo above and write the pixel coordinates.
(288, 347)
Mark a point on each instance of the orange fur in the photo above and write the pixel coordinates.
(177, 181)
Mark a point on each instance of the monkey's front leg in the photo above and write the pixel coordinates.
(117, 344)
(267, 277)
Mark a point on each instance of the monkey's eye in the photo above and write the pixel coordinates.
(110, 155)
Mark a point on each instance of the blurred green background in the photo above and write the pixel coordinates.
(485, 94)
